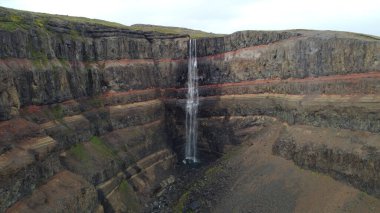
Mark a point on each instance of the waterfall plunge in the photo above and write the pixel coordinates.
(192, 103)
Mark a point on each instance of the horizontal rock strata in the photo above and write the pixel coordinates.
(99, 109)
(96, 139)
(64, 192)
(347, 155)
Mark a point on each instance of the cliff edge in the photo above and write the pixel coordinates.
(98, 107)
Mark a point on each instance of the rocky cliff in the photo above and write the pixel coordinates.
(92, 113)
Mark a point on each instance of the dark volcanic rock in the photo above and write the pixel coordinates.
(239, 40)
(107, 103)
(65, 192)
(351, 156)
(306, 54)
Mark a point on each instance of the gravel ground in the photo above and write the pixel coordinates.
(250, 178)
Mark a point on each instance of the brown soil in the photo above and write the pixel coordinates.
(267, 183)
(252, 179)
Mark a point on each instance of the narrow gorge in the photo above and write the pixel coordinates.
(93, 119)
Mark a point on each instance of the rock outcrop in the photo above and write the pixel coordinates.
(99, 107)
(344, 154)
(306, 79)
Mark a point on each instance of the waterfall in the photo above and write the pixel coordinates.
(192, 103)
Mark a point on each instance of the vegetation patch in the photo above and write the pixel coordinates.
(15, 19)
(210, 178)
(55, 113)
(75, 35)
(8, 26)
(11, 22)
(38, 56)
(182, 202)
(129, 197)
(64, 63)
(28, 19)
(174, 30)
(79, 152)
(213, 171)
(102, 148)
(201, 192)
(39, 23)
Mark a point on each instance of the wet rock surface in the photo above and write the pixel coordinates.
(192, 190)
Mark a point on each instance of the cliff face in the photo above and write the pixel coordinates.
(100, 108)
(83, 98)
(64, 60)
(322, 85)
(291, 54)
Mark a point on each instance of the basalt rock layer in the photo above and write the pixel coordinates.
(100, 108)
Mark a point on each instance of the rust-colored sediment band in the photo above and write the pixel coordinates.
(332, 78)
(354, 77)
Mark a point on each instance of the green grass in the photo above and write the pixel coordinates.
(181, 202)
(65, 63)
(75, 35)
(211, 174)
(213, 171)
(79, 152)
(39, 23)
(174, 30)
(230, 154)
(40, 19)
(9, 26)
(129, 197)
(15, 18)
(39, 58)
(55, 113)
(11, 21)
(102, 148)
(18, 19)
(85, 156)
(75, 19)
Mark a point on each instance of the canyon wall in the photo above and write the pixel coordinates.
(323, 86)
(92, 116)
(82, 118)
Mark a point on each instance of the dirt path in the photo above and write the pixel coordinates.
(263, 182)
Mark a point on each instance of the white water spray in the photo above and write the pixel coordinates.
(192, 103)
